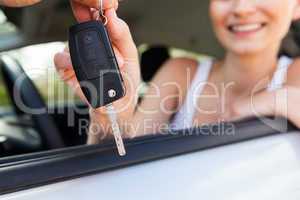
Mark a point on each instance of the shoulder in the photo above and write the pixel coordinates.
(294, 73)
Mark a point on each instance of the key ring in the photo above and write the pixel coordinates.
(101, 13)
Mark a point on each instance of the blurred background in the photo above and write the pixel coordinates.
(32, 36)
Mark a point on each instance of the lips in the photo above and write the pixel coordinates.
(246, 28)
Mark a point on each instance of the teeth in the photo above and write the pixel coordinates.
(246, 27)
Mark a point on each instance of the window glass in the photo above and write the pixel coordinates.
(37, 62)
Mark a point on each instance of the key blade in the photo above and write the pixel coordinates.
(112, 115)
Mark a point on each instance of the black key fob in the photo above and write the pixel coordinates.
(95, 64)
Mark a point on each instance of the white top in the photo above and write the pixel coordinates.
(184, 117)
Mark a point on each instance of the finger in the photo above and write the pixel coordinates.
(62, 61)
(18, 3)
(119, 57)
(106, 4)
(120, 35)
(67, 74)
(64, 68)
(82, 8)
(75, 86)
(66, 49)
(81, 12)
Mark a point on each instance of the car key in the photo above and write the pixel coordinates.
(97, 70)
(95, 64)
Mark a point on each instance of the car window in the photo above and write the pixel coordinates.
(35, 56)
(32, 42)
(31, 36)
(51, 143)
(20, 133)
(6, 30)
(37, 62)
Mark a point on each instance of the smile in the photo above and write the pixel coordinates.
(246, 28)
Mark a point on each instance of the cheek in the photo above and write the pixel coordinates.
(219, 13)
(275, 10)
(219, 10)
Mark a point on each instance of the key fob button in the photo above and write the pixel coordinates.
(88, 38)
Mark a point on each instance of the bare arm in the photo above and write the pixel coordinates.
(282, 102)
(165, 95)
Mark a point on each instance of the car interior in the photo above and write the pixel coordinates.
(158, 31)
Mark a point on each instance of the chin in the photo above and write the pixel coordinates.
(246, 49)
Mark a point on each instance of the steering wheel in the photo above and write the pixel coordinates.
(17, 82)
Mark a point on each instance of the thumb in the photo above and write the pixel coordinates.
(82, 13)
(120, 35)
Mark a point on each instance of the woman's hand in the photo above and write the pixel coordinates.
(82, 8)
(282, 102)
(77, 3)
(18, 3)
(126, 54)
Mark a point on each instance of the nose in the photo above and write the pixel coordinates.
(243, 8)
